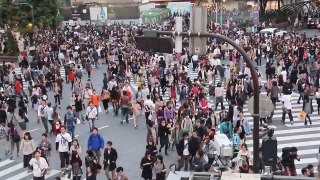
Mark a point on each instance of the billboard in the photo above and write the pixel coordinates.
(123, 12)
(179, 7)
(96, 13)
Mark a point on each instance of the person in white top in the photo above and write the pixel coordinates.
(149, 108)
(287, 106)
(63, 144)
(91, 114)
(195, 60)
(50, 116)
(184, 154)
(43, 115)
(39, 166)
(318, 99)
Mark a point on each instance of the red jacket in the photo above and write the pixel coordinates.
(72, 76)
(18, 87)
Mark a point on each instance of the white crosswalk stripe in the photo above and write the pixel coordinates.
(13, 170)
(305, 138)
(25, 83)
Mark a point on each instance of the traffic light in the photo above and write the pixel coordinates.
(150, 41)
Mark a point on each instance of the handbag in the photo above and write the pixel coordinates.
(302, 115)
(16, 137)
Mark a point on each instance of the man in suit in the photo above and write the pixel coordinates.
(110, 158)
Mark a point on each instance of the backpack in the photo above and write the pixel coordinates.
(98, 137)
(79, 73)
(211, 90)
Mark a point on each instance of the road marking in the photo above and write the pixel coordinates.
(301, 130)
(11, 169)
(298, 144)
(76, 136)
(53, 172)
(288, 138)
(302, 152)
(32, 130)
(302, 124)
(5, 162)
(103, 127)
(20, 176)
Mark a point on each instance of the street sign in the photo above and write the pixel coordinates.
(265, 106)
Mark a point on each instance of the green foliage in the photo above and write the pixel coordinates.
(10, 44)
(278, 16)
(45, 13)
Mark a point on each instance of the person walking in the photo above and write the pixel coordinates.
(120, 174)
(45, 146)
(43, 115)
(79, 106)
(159, 168)
(95, 99)
(14, 138)
(3, 139)
(163, 131)
(63, 144)
(286, 108)
(39, 166)
(125, 104)
(76, 166)
(146, 165)
(27, 147)
(70, 121)
(105, 100)
(307, 109)
(110, 158)
(91, 114)
(184, 154)
(96, 143)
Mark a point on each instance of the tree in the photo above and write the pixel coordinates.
(45, 13)
(263, 5)
(10, 44)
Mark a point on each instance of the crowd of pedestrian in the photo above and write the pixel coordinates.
(184, 122)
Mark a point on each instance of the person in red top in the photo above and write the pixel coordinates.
(18, 87)
(72, 76)
(204, 105)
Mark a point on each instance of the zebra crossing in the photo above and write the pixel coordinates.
(13, 170)
(25, 83)
(304, 137)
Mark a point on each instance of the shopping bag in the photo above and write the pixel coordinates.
(302, 115)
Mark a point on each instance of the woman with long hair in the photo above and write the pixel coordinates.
(76, 166)
(159, 168)
(27, 147)
(146, 165)
(14, 138)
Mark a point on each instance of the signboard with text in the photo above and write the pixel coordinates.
(179, 7)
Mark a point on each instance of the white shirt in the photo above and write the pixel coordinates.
(150, 104)
(63, 140)
(38, 166)
(185, 148)
(91, 113)
(287, 101)
(43, 111)
(284, 75)
(50, 113)
(195, 58)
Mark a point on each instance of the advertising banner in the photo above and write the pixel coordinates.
(179, 7)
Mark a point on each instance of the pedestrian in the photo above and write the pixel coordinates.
(288, 161)
(14, 138)
(105, 100)
(163, 131)
(63, 144)
(27, 147)
(21, 121)
(226, 128)
(45, 147)
(286, 108)
(198, 161)
(43, 115)
(76, 166)
(79, 106)
(96, 143)
(124, 104)
(39, 166)
(3, 139)
(110, 159)
(91, 114)
(95, 99)
(184, 155)
(318, 99)
(307, 109)
(70, 121)
(91, 173)
(244, 158)
(75, 147)
(120, 174)
(209, 149)
(146, 165)
(50, 113)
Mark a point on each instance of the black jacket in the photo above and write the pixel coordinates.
(111, 157)
(194, 145)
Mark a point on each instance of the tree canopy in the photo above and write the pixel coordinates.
(46, 13)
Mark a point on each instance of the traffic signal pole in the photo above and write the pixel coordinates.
(254, 75)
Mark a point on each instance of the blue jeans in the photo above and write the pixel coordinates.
(125, 113)
(71, 131)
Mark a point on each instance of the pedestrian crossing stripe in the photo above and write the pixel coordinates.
(20, 175)
(25, 83)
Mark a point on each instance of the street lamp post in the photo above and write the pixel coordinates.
(32, 12)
